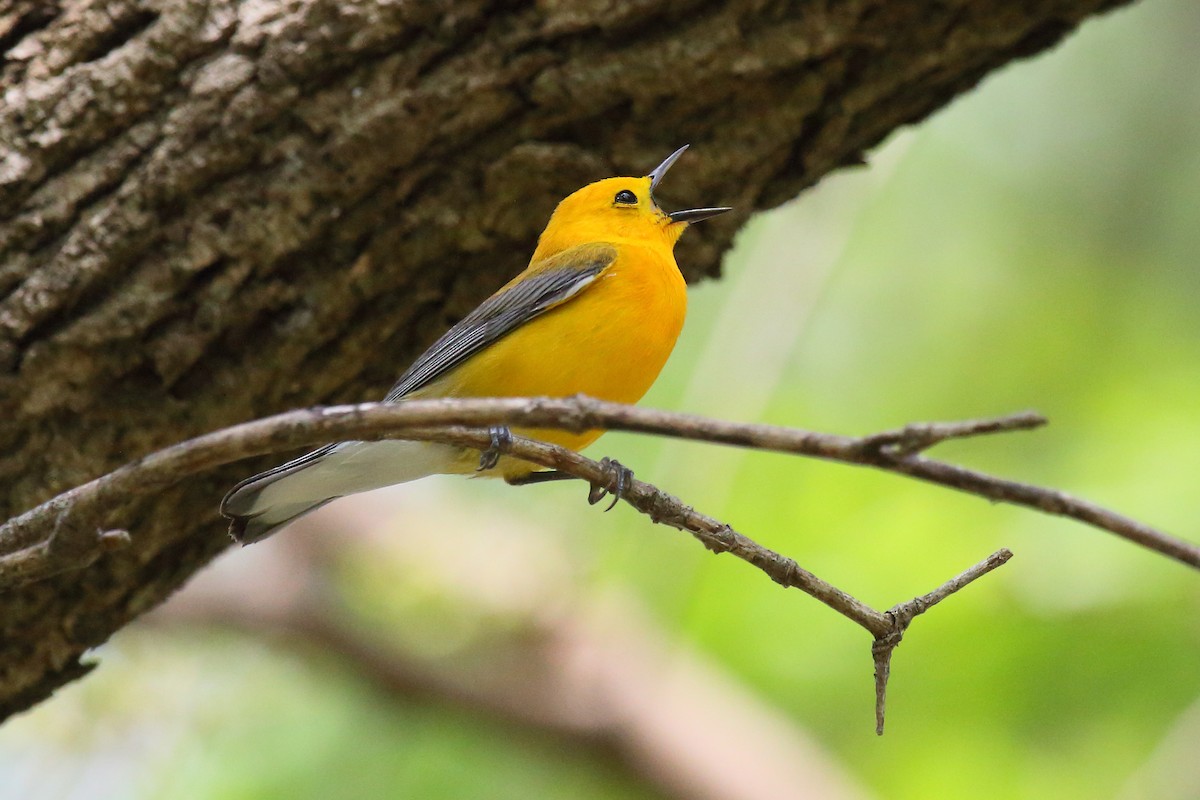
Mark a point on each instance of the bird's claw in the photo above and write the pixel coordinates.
(501, 439)
(620, 475)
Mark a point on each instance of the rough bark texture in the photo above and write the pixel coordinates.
(210, 211)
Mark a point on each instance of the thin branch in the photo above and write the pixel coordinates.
(893, 451)
(919, 605)
(71, 530)
(919, 436)
(903, 614)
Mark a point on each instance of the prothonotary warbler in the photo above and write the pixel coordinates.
(597, 312)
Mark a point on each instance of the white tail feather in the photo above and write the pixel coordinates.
(267, 502)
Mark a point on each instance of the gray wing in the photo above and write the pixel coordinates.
(563, 276)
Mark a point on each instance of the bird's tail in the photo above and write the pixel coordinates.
(261, 505)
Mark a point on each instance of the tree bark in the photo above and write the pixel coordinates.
(212, 211)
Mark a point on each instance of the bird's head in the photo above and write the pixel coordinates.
(618, 209)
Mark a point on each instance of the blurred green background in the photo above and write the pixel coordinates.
(1034, 245)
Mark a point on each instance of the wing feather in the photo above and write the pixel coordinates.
(555, 281)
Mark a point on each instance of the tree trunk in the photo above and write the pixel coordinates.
(213, 211)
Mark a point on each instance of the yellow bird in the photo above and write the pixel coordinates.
(597, 312)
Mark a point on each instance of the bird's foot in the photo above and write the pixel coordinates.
(501, 439)
(620, 477)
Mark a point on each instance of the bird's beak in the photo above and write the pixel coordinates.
(687, 215)
(696, 214)
(656, 174)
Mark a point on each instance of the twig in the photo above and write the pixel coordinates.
(70, 530)
(903, 615)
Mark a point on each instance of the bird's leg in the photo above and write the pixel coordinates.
(501, 439)
(619, 474)
(540, 477)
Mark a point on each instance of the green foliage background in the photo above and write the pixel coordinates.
(1035, 245)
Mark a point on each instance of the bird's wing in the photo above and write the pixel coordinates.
(548, 284)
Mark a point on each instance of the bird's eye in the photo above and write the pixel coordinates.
(626, 197)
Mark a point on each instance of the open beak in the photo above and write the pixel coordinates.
(687, 215)
(697, 214)
(656, 174)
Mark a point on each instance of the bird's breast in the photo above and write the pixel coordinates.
(610, 342)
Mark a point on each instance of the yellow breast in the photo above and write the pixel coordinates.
(610, 342)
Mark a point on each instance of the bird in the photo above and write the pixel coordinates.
(596, 312)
